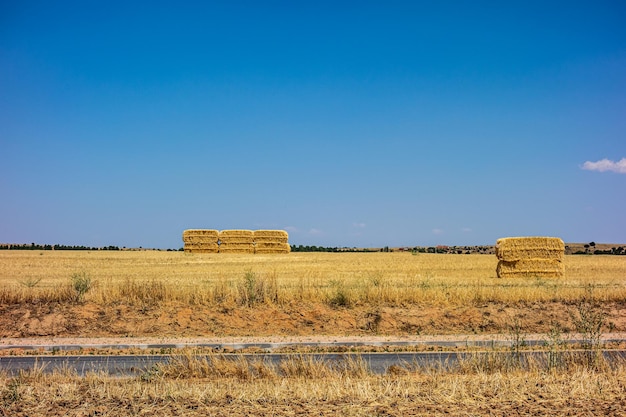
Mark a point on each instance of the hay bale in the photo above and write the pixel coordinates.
(200, 240)
(512, 249)
(236, 237)
(201, 247)
(276, 236)
(236, 233)
(200, 236)
(271, 247)
(204, 247)
(236, 248)
(549, 268)
(236, 241)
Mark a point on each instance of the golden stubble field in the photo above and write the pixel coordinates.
(57, 294)
(139, 293)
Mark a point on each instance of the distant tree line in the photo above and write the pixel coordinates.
(589, 249)
(307, 248)
(35, 246)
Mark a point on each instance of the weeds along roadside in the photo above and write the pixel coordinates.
(557, 353)
(230, 383)
(492, 376)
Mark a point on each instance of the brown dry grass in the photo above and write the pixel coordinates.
(306, 389)
(174, 293)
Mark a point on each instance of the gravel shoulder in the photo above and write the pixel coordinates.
(49, 343)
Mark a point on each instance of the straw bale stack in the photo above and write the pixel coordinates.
(200, 240)
(530, 256)
(271, 241)
(236, 241)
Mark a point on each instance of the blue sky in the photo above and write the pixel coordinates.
(346, 123)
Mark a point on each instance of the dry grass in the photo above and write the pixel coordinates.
(375, 278)
(343, 279)
(233, 388)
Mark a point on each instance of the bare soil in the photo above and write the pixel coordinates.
(176, 320)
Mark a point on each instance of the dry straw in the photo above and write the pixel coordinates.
(236, 248)
(201, 247)
(271, 236)
(236, 237)
(512, 249)
(272, 247)
(200, 240)
(200, 236)
(531, 268)
(236, 241)
(271, 241)
(530, 256)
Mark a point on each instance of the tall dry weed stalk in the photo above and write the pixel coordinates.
(81, 284)
(254, 289)
(589, 320)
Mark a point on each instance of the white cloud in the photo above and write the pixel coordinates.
(437, 231)
(315, 232)
(359, 225)
(466, 230)
(606, 165)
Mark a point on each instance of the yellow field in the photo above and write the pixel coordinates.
(174, 294)
(340, 278)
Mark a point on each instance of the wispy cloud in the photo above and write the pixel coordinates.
(437, 231)
(466, 230)
(315, 232)
(606, 165)
(359, 225)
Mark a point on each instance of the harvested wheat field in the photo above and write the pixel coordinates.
(139, 293)
(48, 295)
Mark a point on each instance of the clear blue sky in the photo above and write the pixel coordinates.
(362, 123)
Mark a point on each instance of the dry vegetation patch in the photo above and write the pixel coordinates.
(306, 389)
(63, 293)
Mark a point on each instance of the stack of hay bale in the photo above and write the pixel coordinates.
(271, 241)
(530, 256)
(200, 241)
(236, 241)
